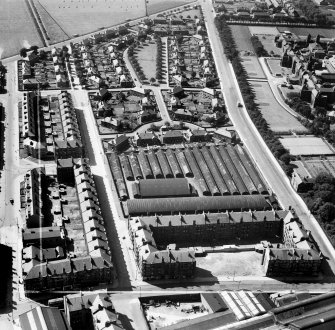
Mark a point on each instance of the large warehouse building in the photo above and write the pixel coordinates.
(196, 205)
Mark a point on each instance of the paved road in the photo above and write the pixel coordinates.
(116, 228)
(255, 144)
(10, 218)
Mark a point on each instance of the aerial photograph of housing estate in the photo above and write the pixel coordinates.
(167, 164)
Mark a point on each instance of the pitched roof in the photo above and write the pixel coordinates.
(164, 187)
(193, 204)
(44, 318)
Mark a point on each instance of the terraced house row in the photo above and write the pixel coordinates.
(50, 127)
(74, 251)
(296, 255)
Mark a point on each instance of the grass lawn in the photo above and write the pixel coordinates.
(275, 115)
(268, 30)
(147, 59)
(274, 66)
(253, 67)
(246, 263)
(301, 31)
(269, 44)
(17, 28)
(242, 37)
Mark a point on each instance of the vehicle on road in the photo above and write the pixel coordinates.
(239, 104)
(12, 201)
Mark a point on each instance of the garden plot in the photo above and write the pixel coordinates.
(279, 120)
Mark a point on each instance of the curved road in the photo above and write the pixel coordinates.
(266, 162)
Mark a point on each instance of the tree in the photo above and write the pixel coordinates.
(23, 52)
(34, 49)
(152, 80)
(327, 212)
(285, 158)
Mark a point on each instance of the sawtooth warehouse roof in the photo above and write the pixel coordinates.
(193, 204)
(164, 188)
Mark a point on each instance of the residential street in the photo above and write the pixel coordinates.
(255, 144)
(11, 223)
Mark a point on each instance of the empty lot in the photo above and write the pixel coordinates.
(276, 116)
(230, 264)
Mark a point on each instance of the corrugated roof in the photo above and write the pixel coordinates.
(190, 204)
(164, 188)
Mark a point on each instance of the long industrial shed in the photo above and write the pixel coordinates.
(197, 174)
(172, 160)
(215, 172)
(166, 170)
(115, 165)
(206, 172)
(182, 162)
(223, 170)
(156, 170)
(135, 165)
(196, 204)
(251, 170)
(232, 170)
(241, 170)
(128, 173)
(144, 164)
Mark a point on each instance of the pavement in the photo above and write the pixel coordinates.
(260, 153)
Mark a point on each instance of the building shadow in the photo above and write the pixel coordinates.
(126, 321)
(117, 254)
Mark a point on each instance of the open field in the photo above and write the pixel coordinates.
(306, 146)
(328, 33)
(231, 264)
(17, 28)
(276, 116)
(78, 17)
(147, 59)
(155, 6)
(55, 32)
(241, 34)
